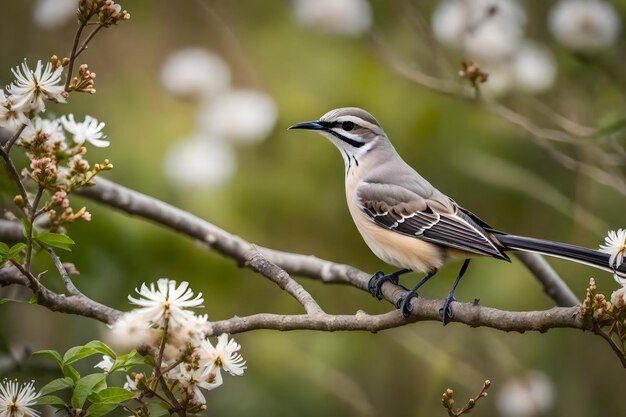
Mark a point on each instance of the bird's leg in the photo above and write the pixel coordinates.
(446, 311)
(404, 303)
(376, 282)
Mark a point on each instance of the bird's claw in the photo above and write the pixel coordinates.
(376, 283)
(404, 303)
(447, 308)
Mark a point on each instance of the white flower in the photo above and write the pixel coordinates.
(343, 17)
(192, 379)
(487, 29)
(130, 384)
(530, 394)
(166, 301)
(192, 331)
(618, 297)
(51, 14)
(194, 73)
(584, 25)
(16, 400)
(10, 118)
(51, 128)
(200, 163)
(224, 355)
(534, 68)
(30, 88)
(106, 364)
(89, 130)
(615, 246)
(240, 115)
(131, 330)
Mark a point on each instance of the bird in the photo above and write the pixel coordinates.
(408, 223)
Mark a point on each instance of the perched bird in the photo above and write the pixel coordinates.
(409, 223)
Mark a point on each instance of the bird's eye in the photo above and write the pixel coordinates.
(347, 126)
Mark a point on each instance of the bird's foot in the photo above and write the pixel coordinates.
(376, 283)
(445, 312)
(404, 302)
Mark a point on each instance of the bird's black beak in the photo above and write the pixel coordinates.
(316, 125)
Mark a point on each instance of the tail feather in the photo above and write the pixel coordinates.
(561, 250)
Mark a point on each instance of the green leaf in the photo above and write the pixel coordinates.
(101, 409)
(125, 362)
(77, 353)
(15, 252)
(158, 408)
(27, 226)
(611, 127)
(101, 348)
(11, 300)
(84, 387)
(50, 354)
(4, 249)
(50, 400)
(70, 372)
(112, 395)
(57, 385)
(33, 299)
(55, 240)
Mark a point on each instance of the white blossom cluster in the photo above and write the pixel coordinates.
(492, 32)
(25, 99)
(341, 17)
(164, 313)
(226, 116)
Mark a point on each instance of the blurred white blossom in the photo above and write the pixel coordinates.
(618, 297)
(486, 29)
(51, 14)
(530, 394)
(584, 25)
(501, 79)
(17, 400)
(31, 87)
(87, 131)
(534, 68)
(200, 163)
(167, 300)
(131, 330)
(343, 17)
(240, 115)
(194, 73)
(10, 118)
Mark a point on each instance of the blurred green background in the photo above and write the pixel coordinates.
(287, 193)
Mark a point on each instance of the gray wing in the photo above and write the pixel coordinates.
(437, 219)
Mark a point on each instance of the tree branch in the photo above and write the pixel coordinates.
(258, 263)
(552, 283)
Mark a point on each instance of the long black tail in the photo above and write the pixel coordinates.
(561, 250)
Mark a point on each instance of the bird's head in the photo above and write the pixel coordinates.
(354, 131)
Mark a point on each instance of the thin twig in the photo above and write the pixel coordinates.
(67, 281)
(9, 144)
(551, 282)
(618, 352)
(87, 40)
(257, 262)
(70, 66)
(29, 235)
